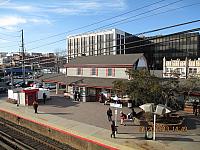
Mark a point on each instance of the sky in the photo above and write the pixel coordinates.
(47, 23)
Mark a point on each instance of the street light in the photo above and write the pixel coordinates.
(160, 110)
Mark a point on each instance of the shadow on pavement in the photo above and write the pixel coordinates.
(191, 122)
(175, 139)
(58, 101)
(126, 138)
(55, 113)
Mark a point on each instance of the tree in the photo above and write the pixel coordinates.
(141, 88)
(120, 87)
(190, 85)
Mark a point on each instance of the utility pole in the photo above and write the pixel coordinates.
(11, 75)
(23, 65)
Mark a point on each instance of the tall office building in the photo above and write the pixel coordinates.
(112, 42)
(107, 42)
(174, 46)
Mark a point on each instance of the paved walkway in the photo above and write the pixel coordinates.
(89, 120)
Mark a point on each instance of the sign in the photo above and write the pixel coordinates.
(115, 105)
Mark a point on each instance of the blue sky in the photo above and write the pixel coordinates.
(41, 19)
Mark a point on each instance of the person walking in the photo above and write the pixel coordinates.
(35, 106)
(109, 114)
(122, 118)
(75, 95)
(195, 104)
(113, 129)
(44, 97)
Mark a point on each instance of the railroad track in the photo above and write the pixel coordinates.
(15, 137)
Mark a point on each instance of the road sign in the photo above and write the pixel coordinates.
(115, 105)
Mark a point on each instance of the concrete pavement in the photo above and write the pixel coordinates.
(89, 121)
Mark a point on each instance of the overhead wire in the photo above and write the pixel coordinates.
(170, 10)
(92, 30)
(132, 42)
(148, 39)
(172, 26)
(110, 18)
(146, 12)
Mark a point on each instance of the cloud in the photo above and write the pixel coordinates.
(3, 2)
(66, 7)
(89, 6)
(39, 21)
(3, 41)
(11, 21)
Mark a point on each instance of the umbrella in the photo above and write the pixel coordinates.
(149, 107)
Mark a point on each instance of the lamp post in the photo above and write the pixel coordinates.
(115, 99)
(160, 110)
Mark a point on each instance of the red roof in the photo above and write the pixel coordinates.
(30, 90)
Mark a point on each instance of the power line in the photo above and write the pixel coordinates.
(172, 26)
(9, 35)
(122, 20)
(132, 42)
(155, 14)
(98, 21)
(7, 40)
(148, 39)
(101, 27)
(132, 20)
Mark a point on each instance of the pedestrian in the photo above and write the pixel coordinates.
(113, 129)
(35, 106)
(122, 118)
(195, 104)
(44, 97)
(79, 96)
(109, 114)
(75, 95)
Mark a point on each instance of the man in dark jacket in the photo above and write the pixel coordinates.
(35, 106)
(109, 114)
(44, 97)
(113, 129)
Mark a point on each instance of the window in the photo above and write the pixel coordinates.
(193, 70)
(94, 71)
(79, 71)
(110, 72)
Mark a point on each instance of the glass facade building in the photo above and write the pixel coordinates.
(113, 42)
(174, 46)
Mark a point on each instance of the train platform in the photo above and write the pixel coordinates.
(97, 135)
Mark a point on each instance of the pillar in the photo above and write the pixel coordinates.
(57, 88)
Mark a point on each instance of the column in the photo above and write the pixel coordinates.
(57, 87)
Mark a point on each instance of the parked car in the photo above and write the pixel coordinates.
(20, 84)
(50, 86)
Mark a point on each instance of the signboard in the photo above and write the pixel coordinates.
(115, 105)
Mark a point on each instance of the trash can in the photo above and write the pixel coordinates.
(148, 133)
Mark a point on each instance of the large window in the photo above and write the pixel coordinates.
(79, 71)
(110, 72)
(94, 71)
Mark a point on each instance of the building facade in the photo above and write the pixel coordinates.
(181, 68)
(92, 75)
(113, 42)
(174, 46)
(108, 42)
(95, 74)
